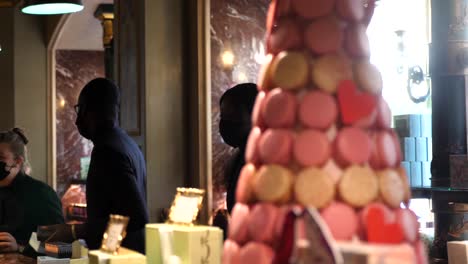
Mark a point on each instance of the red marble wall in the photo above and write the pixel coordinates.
(238, 26)
(73, 70)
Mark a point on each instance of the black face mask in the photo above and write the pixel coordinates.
(3, 171)
(234, 133)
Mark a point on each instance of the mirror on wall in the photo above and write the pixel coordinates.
(237, 51)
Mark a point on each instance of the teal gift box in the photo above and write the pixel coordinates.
(191, 244)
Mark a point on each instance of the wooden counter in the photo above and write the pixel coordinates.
(15, 258)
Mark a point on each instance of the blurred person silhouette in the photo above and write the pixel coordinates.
(116, 182)
(236, 105)
(220, 218)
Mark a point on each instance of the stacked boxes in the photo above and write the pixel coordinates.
(415, 133)
(192, 244)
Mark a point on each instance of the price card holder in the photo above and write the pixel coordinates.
(186, 206)
(115, 233)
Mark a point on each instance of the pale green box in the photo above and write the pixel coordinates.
(125, 256)
(192, 244)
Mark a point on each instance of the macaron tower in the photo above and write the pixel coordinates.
(321, 138)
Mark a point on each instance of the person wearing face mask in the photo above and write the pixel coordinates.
(25, 203)
(236, 106)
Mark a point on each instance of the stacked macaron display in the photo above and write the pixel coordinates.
(321, 136)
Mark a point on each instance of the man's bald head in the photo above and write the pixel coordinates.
(98, 106)
(100, 93)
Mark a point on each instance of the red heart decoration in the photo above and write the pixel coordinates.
(354, 104)
(380, 231)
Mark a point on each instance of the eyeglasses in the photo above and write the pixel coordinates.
(10, 166)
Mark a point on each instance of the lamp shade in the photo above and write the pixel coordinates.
(51, 7)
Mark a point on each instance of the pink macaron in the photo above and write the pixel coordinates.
(285, 35)
(256, 253)
(356, 41)
(409, 223)
(324, 35)
(275, 146)
(283, 8)
(251, 150)
(244, 189)
(351, 10)
(384, 151)
(280, 221)
(279, 109)
(257, 119)
(421, 254)
(231, 252)
(396, 142)
(311, 9)
(318, 110)
(276, 10)
(384, 114)
(311, 148)
(352, 146)
(261, 223)
(341, 219)
(238, 224)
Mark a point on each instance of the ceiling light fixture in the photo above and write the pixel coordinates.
(51, 7)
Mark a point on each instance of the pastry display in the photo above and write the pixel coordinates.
(321, 140)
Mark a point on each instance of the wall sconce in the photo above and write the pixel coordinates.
(401, 48)
(258, 49)
(241, 77)
(417, 84)
(51, 7)
(418, 87)
(227, 58)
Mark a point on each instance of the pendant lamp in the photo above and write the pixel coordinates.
(51, 7)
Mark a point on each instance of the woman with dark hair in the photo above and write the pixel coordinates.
(236, 106)
(25, 203)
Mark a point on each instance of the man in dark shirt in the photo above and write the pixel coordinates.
(116, 182)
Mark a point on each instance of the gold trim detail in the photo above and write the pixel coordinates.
(178, 202)
(113, 221)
